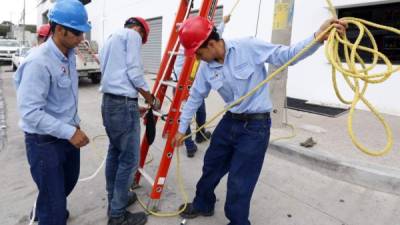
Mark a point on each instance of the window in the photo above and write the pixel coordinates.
(385, 14)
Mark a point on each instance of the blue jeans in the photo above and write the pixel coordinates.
(121, 120)
(54, 165)
(200, 120)
(238, 148)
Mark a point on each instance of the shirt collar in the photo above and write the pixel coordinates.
(228, 47)
(57, 52)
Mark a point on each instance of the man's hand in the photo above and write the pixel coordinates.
(178, 139)
(79, 139)
(340, 26)
(226, 19)
(142, 111)
(150, 99)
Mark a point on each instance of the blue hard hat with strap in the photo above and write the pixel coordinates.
(70, 13)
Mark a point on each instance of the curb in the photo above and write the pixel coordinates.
(373, 176)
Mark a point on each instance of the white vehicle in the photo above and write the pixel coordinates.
(7, 48)
(87, 63)
(18, 56)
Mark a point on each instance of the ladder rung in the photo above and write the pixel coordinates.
(146, 176)
(176, 53)
(169, 83)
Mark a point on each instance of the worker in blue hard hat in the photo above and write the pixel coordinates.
(47, 100)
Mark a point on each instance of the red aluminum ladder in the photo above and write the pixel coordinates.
(183, 85)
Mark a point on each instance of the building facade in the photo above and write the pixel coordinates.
(310, 79)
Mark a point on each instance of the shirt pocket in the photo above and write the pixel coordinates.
(63, 88)
(218, 83)
(242, 78)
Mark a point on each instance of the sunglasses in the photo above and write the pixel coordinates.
(73, 31)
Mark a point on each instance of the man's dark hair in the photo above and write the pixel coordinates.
(53, 27)
(131, 22)
(213, 36)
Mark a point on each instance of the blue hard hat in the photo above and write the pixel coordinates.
(70, 13)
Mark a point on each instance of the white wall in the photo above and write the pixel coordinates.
(310, 79)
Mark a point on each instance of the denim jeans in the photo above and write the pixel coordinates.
(54, 165)
(238, 148)
(200, 121)
(121, 120)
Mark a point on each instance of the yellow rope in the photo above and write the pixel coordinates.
(234, 7)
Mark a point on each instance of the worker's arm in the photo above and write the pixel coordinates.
(32, 93)
(199, 91)
(135, 68)
(280, 54)
(221, 26)
(134, 61)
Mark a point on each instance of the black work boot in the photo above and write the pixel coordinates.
(203, 136)
(190, 212)
(129, 218)
(191, 152)
(132, 199)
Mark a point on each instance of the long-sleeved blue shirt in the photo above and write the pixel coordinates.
(121, 64)
(243, 69)
(47, 92)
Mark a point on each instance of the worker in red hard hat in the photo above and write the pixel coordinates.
(122, 82)
(43, 33)
(239, 142)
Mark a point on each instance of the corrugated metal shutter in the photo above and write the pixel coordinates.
(217, 17)
(151, 51)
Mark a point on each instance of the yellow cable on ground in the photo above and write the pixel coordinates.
(181, 188)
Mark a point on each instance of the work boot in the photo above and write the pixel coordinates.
(132, 199)
(129, 218)
(203, 136)
(190, 212)
(37, 218)
(192, 151)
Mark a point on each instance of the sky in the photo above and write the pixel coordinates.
(12, 10)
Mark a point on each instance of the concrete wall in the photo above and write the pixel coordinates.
(310, 79)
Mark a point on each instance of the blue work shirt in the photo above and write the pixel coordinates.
(243, 69)
(180, 59)
(47, 92)
(121, 64)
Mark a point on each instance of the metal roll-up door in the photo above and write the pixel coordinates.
(217, 16)
(151, 51)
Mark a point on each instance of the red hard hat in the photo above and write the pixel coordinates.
(145, 26)
(44, 30)
(193, 33)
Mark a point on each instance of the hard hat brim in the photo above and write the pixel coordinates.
(190, 52)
